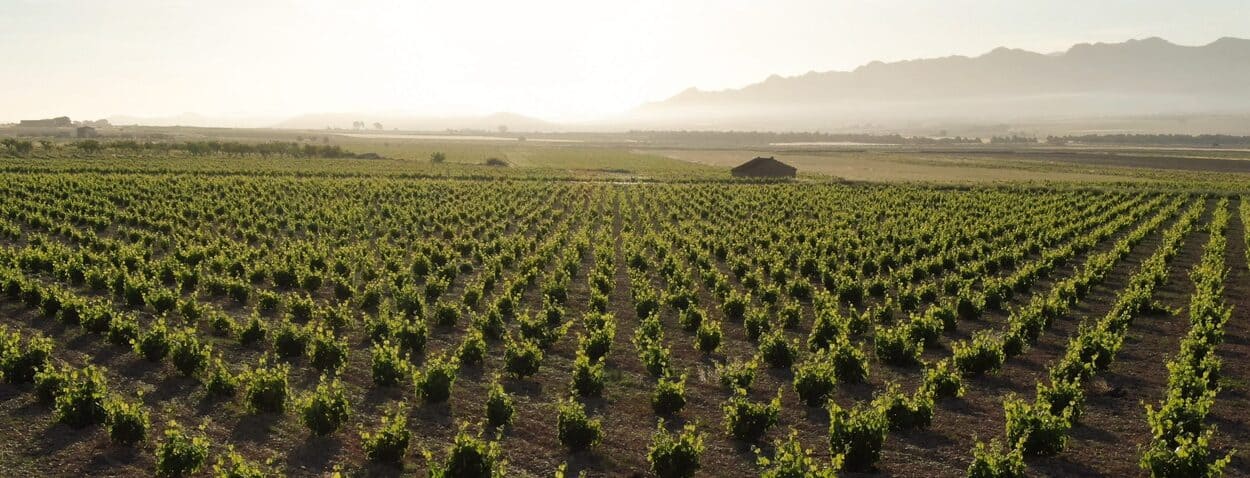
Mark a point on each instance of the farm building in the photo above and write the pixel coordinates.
(86, 132)
(762, 167)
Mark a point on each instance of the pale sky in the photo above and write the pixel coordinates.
(558, 60)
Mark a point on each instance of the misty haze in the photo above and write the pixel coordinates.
(692, 238)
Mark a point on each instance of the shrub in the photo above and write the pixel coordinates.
(80, 401)
(326, 408)
(905, 412)
(654, 356)
(434, 382)
(791, 460)
(748, 421)
(826, 328)
(1036, 430)
(468, 456)
(587, 378)
(123, 330)
(814, 379)
(708, 336)
(690, 318)
(857, 434)
(598, 341)
(994, 462)
(756, 324)
(411, 337)
(943, 381)
(446, 314)
(895, 346)
(180, 454)
(1191, 456)
(325, 351)
(1062, 398)
(49, 381)
(522, 358)
(735, 305)
(387, 365)
(18, 363)
(127, 422)
(737, 375)
(778, 352)
(221, 382)
(924, 328)
(253, 332)
(575, 429)
(675, 455)
(850, 364)
(153, 345)
(389, 443)
(234, 465)
(472, 349)
(499, 406)
(290, 340)
(983, 354)
(265, 387)
(189, 356)
(669, 396)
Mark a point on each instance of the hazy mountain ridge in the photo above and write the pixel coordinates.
(1137, 77)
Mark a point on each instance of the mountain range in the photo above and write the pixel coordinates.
(1133, 78)
(1148, 85)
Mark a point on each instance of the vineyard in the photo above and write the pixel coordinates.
(266, 323)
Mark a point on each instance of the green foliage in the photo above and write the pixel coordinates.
(472, 349)
(587, 377)
(1037, 431)
(675, 455)
(326, 352)
(434, 381)
(387, 365)
(499, 406)
(80, 401)
(815, 379)
(522, 358)
(791, 460)
(234, 465)
(737, 375)
(747, 420)
(221, 381)
(128, 423)
(265, 387)
(895, 346)
(943, 381)
(190, 357)
(778, 352)
(905, 412)
(983, 354)
(468, 457)
(857, 435)
(153, 344)
(708, 336)
(574, 428)
(669, 396)
(180, 453)
(389, 443)
(994, 462)
(324, 410)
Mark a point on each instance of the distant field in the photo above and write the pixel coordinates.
(892, 167)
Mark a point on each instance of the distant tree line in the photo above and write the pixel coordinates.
(229, 148)
(1201, 140)
(1013, 139)
(764, 137)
